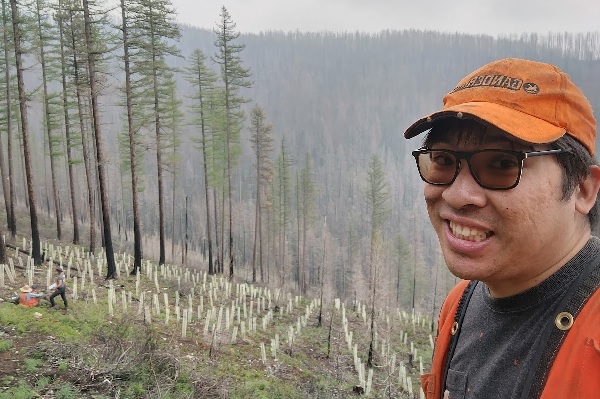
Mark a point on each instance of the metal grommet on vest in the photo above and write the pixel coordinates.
(564, 321)
(454, 328)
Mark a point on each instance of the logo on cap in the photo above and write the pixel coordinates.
(500, 81)
(531, 88)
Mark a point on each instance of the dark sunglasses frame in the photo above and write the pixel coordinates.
(467, 155)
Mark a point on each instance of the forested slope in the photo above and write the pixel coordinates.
(335, 100)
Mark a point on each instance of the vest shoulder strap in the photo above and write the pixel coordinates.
(555, 333)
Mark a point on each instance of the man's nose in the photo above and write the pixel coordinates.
(464, 190)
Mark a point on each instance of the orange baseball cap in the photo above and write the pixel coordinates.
(532, 101)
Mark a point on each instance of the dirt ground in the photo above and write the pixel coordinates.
(11, 360)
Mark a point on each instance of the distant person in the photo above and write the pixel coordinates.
(60, 288)
(29, 297)
(511, 189)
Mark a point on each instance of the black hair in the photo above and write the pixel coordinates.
(576, 167)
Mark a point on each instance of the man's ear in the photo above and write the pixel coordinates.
(587, 191)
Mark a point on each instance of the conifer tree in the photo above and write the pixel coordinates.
(203, 81)
(306, 216)
(283, 203)
(234, 77)
(262, 143)
(71, 138)
(403, 258)
(154, 28)
(23, 97)
(132, 131)
(173, 117)
(7, 121)
(76, 86)
(46, 45)
(377, 197)
(92, 55)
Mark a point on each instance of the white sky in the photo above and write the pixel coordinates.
(468, 16)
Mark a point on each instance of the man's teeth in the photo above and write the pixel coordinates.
(468, 233)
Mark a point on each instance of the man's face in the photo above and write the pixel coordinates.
(509, 239)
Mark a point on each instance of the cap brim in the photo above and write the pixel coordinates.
(518, 124)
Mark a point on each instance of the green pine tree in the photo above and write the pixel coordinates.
(234, 77)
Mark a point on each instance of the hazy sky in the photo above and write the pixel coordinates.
(468, 16)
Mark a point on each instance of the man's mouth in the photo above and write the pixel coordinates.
(469, 233)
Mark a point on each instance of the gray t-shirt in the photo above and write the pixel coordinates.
(61, 277)
(499, 336)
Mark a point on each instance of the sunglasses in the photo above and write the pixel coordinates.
(491, 169)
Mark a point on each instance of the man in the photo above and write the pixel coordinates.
(511, 188)
(60, 288)
(29, 297)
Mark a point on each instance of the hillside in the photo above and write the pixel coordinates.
(178, 333)
(334, 100)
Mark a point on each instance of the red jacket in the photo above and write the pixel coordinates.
(575, 373)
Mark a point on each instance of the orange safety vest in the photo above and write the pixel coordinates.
(28, 303)
(575, 373)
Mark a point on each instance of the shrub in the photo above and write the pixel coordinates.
(42, 382)
(22, 391)
(5, 345)
(66, 391)
(32, 365)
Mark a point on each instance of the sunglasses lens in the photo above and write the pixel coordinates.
(437, 167)
(495, 169)
(491, 169)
